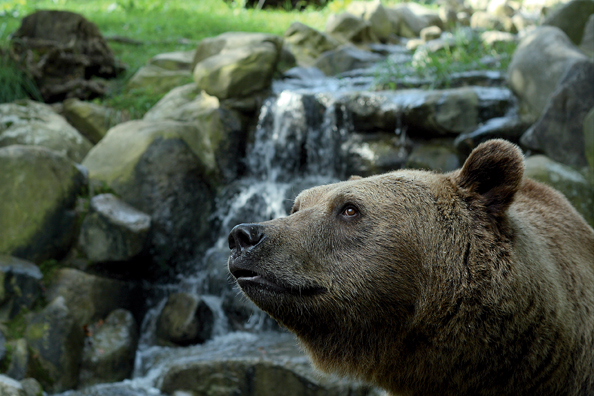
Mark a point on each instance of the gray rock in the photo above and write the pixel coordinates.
(113, 230)
(307, 44)
(344, 59)
(409, 19)
(166, 169)
(55, 341)
(567, 180)
(90, 298)
(35, 124)
(32, 387)
(509, 128)
(90, 119)
(108, 354)
(226, 69)
(433, 156)
(19, 359)
(37, 212)
(348, 28)
(10, 387)
(20, 286)
(252, 365)
(488, 21)
(559, 131)
(572, 18)
(179, 60)
(375, 13)
(430, 33)
(540, 61)
(373, 153)
(2, 347)
(222, 125)
(185, 320)
(158, 80)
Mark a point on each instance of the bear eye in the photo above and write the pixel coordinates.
(349, 211)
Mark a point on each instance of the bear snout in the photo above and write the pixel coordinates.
(245, 236)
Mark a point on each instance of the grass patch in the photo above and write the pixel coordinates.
(466, 52)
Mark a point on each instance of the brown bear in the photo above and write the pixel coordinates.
(475, 282)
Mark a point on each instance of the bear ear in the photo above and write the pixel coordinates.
(494, 171)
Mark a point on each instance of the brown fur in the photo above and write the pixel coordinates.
(476, 282)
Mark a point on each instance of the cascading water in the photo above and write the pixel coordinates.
(296, 145)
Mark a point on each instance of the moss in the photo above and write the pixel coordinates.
(48, 269)
(5, 363)
(15, 328)
(36, 370)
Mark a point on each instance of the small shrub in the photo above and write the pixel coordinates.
(14, 83)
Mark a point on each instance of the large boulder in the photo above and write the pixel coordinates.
(433, 156)
(236, 64)
(410, 18)
(542, 58)
(55, 341)
(20, 286)
(90, 298)
(166, 169)
(347, 27)
(587, 44)
(90, 119)
(223, 126)
(376, 14)
(64, 51)
(307, 44)
(108, 354)
(36, 124)
(572, 18)
(37, 202)
(11, 387)
(567, 180)
(157, 79)
(346, 58)
(559, 131)
(113, 230)
(185, 320)
(179, 60)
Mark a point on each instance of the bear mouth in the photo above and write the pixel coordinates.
(248, 279)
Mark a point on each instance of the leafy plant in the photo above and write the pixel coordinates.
(14, 83)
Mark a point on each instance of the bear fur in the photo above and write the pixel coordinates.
(475, 282)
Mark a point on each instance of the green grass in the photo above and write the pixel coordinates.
(162, 26)
(464, 54)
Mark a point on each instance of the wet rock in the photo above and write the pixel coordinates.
(371, 154)
(216, 272)
(158, 80)
(2, 347)
(241, 312)
(347, 28)
(19, 359)
(185, 320)
(166, 169)
(179, 60)
(307, 44)
(113, 230)
(90, 298)
(223, 126)
(433, 156)
(10, 387)
(375, 13)
(20, 286)
(567, 180)
(252, 366)
(32, 123)
(31, 387)
(108, 354)
(63, 51)
(90, 119)
(409, 19)
(572, 18)
(37, 211)
(55, 342)
(236, 64)
(559, 131)
(345, 58)
(542, 58)
(509, 128)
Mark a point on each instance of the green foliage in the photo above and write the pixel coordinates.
(15, 328)
(48, 269)
(465, 53)
(14, 83)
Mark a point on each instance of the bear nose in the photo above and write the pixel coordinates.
(245, 236)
